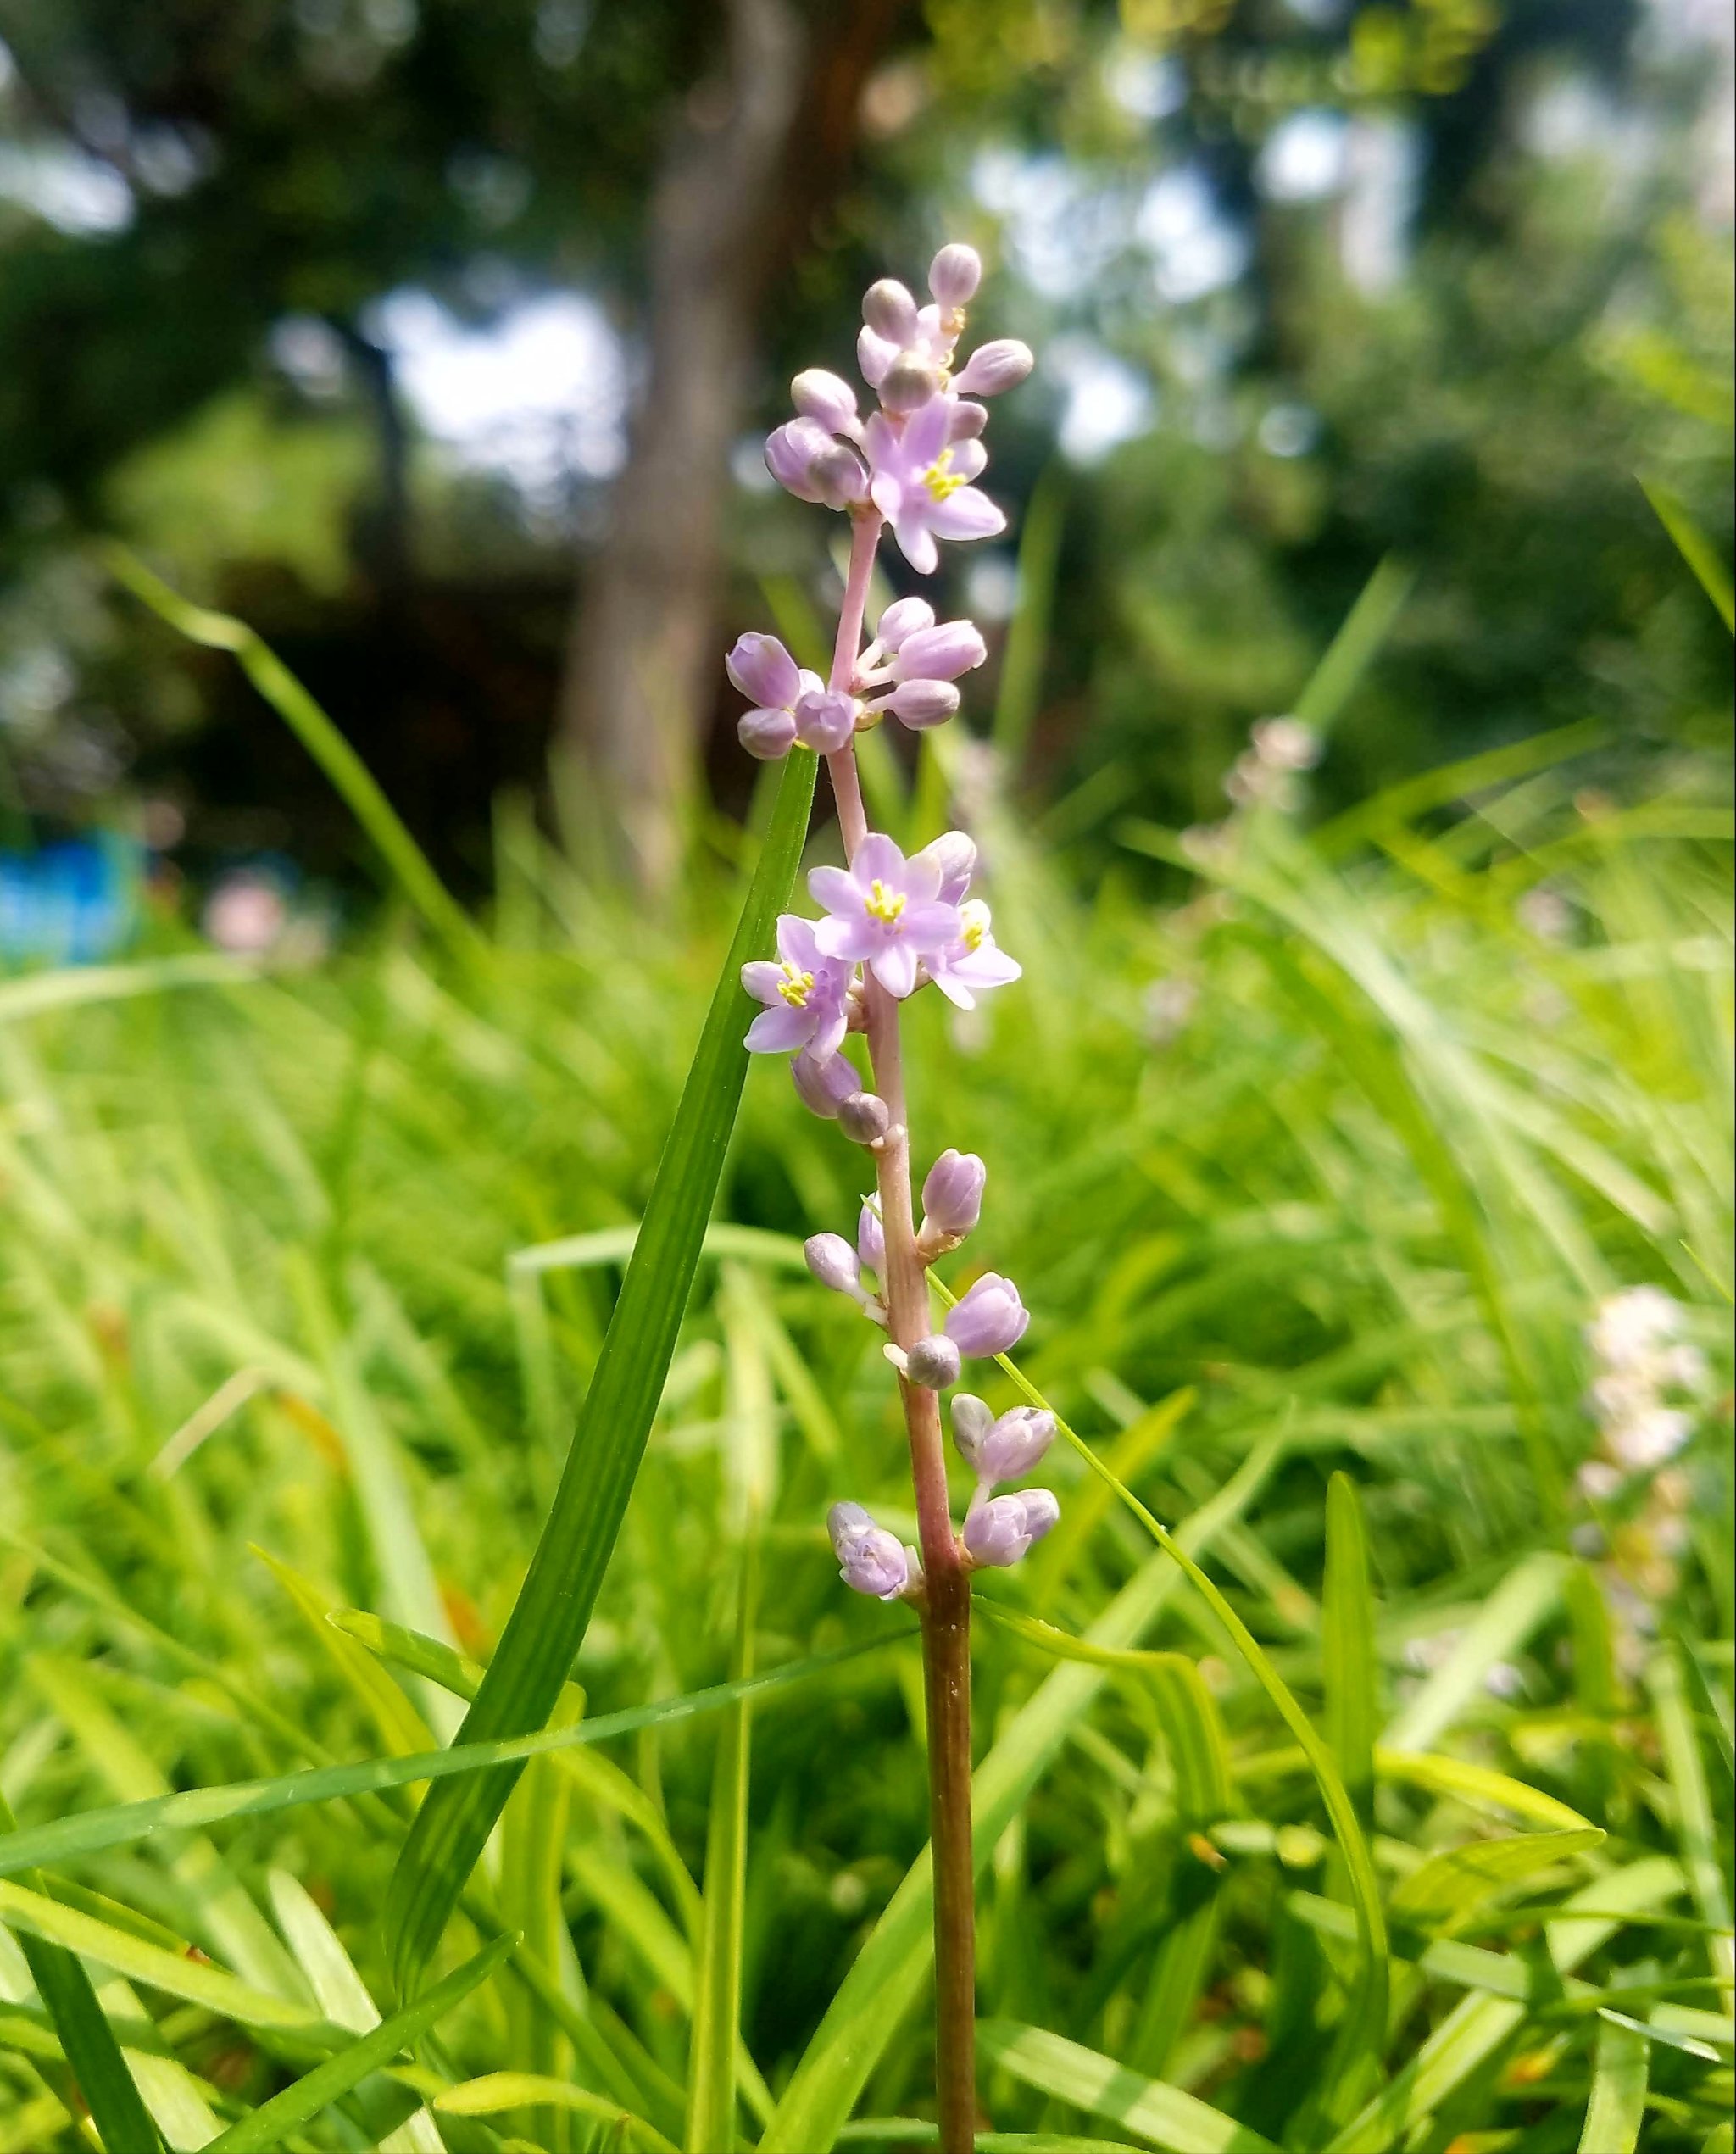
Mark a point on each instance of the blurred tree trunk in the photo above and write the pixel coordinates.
(638, 650)
(761, 148)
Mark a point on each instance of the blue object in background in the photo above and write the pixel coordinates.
(72, 902)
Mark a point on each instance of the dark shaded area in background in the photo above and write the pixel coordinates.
(1312, 284)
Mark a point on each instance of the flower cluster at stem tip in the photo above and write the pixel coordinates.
(890, 924)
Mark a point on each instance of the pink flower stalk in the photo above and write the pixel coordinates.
(805, 994)
(883, 912)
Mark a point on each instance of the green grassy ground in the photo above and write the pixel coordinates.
(1322, 1172)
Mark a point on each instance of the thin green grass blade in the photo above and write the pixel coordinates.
(553, 1606)
(1027, 635)
(92, 2054)
(1511, 1613)
(1456, 1882)
(1165, 2116)
(1357, 644)
(1621, 2065)
(1698, 1833)
(1479, 1786)
(1350, 1665)
(66, 1840)
(74, 985)
(495, 2092)
(403, 859)
(717, 2001)
(273, 2121)
(1695, 548)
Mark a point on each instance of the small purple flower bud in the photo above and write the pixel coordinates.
(933, 1362)
(955, 856)
(824, 720)
(923, 704)
(824, 1086)
(790, 451)
(874, 354)
(952, 1197)
(992, 368)
(998, 1531)
(989, 1320)
(1003, 1449)
(864, 1119)
(955, 274)
(907, 384)
(939, 654)
(827, 399)
(764, 670)
(767, 734)
(965, 421)
(902, 618)
(838, 476)
(889, 310)
(833, 1262)
(869, 1559)
(871, 1238)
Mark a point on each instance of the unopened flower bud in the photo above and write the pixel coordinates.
(902, 618)
(874, 354)
(998, 1530)
(889, 310)
(908, 383)
(871, 1238)
(791, 451)
(871, 1560)
(922, 704)
(951, 1201)
(864, 1117)
(824, 720)
(939, 654)
(764, 670)
(839, 476)
(933, 1362)
(965, 419)
(1003, 1449)
(827, 399)
(955, 274)
(833, 1262)
(989, 1320)
(767, 734)
(824, 1087)
(994, 368)
(954, 855)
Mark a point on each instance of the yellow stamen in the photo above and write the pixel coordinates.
(940, 478)
(883, 903)
(795, 987)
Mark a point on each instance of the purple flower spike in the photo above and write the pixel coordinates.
(1003, 1449)
(964, 969)
(823, 1085)
(920, 704)
(883, 912)
(827, 399)
(922, 483)
(937, 654)
(999, 1530)
(951, 1201)
(804, 995)
(955, 274)
(956, 856)
(994, 368)
(823, 720)
(903, 617)
(989, 1320)
(871, 1238)
(869, 1559)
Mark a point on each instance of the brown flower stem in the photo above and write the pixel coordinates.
(946, 1611)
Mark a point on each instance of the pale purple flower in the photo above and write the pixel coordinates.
(1649, 1437)
(989, 1320)
(954, 275)
(823, 719)
(974, 962)
(827, 399)
(921, 705)
(804, 993)
(993, 369)
(824, 1085)
(939, 652)
(954, 856)
(902, 618)
(834, 1263)
(922, 483)
(952, 1200)
(883, 912)
(815, 465)
(1003, 1448)
(1000, 1530)
(871, 1560)
(766, 674)
(871, 1236)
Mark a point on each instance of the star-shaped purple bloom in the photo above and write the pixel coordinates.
(803, 993)
(975, 961)
(884, 911)
(921, 482)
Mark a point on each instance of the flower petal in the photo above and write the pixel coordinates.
(795, 942)
(894, 966)
(931, 926)
(762, 979)
(953, 987)
(877, 859)
(777, 1030)
(925, 431)
(967, 513)
(917, 545)
(843, 936)
(835, 888)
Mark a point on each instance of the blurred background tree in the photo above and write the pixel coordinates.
(437, 339)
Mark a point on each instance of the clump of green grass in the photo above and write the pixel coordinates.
(1404, 1823)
